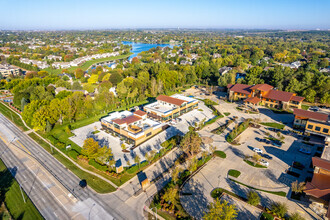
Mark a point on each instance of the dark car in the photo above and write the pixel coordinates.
(267, 156)
(83, 183)
(259, 139)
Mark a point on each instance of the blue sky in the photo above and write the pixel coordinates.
(106, 14)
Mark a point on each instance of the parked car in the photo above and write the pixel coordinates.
(264, 162)
(257, 150)
(314, 108)
(277, 143)
(267, 156)
(259, 139)
(305, 151)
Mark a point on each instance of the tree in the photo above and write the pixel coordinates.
(193, 165)
(76, 86)
(176, 174)
(171, 195)
(297, 187)
(148, 157)
(79, 73)
(93, 79)
(90, 148)
(24, 102)
(191, 143)
(279, 209)
(137, 160)
(104, 154)
(221, 211)
(253, 198)
(123, 146)
(256, 157)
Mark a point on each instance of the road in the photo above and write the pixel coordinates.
(104, 207)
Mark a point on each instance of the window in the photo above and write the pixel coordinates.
(325, 130)
(310, 126)
(317, 128)
(148, 134)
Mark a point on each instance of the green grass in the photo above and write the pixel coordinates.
(279, 193)
(254, 165)
(220, 154)
(12, 116)
(217, 192)
(226, 113)
(94, 182)
(305, 107)
(11, 196)
(87, 64)
(273, 125)
(95, 132)
(266, 216)
(234, 173)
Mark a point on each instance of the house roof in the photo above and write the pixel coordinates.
(140, 113)
(241, 88)
(128, 120)
(253, 100)
(297, 98)
(262, 87)
(229, 86)
(279, 95)
(309, 114)
(170, 100)
(322, 163)
(319, 187)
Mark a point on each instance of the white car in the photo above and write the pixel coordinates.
(264, 162)
(257, 150)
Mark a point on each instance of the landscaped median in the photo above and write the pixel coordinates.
(273, 125)
(210, 104)
(238, 130)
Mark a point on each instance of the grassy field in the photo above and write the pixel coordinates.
(12, 116)
(234, 173)
(254, 165)
(273, 125)
(220, 154)
(87, 64)
(94, 182)
(11, 196)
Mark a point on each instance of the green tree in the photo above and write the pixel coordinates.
(176, 174)
(191, 143)
(297, 187)
(79, 73)
(221, 210)
(171, 195)
(137, 160)
(296, 216)
(253, 198)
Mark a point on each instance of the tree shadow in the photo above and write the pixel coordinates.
(194, 201)
(237, 151)
(7, 177)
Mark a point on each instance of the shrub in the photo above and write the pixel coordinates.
(97, 165)
(279, 209)
(73, 154)
(220, 154)
(295, 216)
(253, 198)
(266, 216)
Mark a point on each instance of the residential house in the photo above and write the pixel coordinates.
(134, 128)
(8, 70)
(224, 70)
(170, 107)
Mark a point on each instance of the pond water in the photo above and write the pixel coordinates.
(140, 47)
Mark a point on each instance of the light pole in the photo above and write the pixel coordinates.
(89, 214)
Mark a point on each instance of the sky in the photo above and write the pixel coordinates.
(109, 14)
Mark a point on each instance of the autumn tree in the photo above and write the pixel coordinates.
(79, 73)
(90, 148)
(221, 210)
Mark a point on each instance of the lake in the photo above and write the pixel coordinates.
(140, 47)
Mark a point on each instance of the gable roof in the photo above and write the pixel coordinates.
(309, 114)
(262, 87)
(128, 120)
(297, 98)
(319, 187)
(241, 88)
(322, 163)
(253, 100)
(170, 100)
(279, 95)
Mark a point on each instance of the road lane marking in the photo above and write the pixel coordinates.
(3, 140)
(24, 147)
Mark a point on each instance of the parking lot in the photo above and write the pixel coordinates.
(153, 143)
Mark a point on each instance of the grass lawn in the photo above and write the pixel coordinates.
(305, 107)
(279, 193)
(220, 154)
(273, 125)
(12, 116)
(226, 113)
(256, 165)
(234, 173)
(94, 182)
(217, 192)
(87, 64)
(11, 196)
